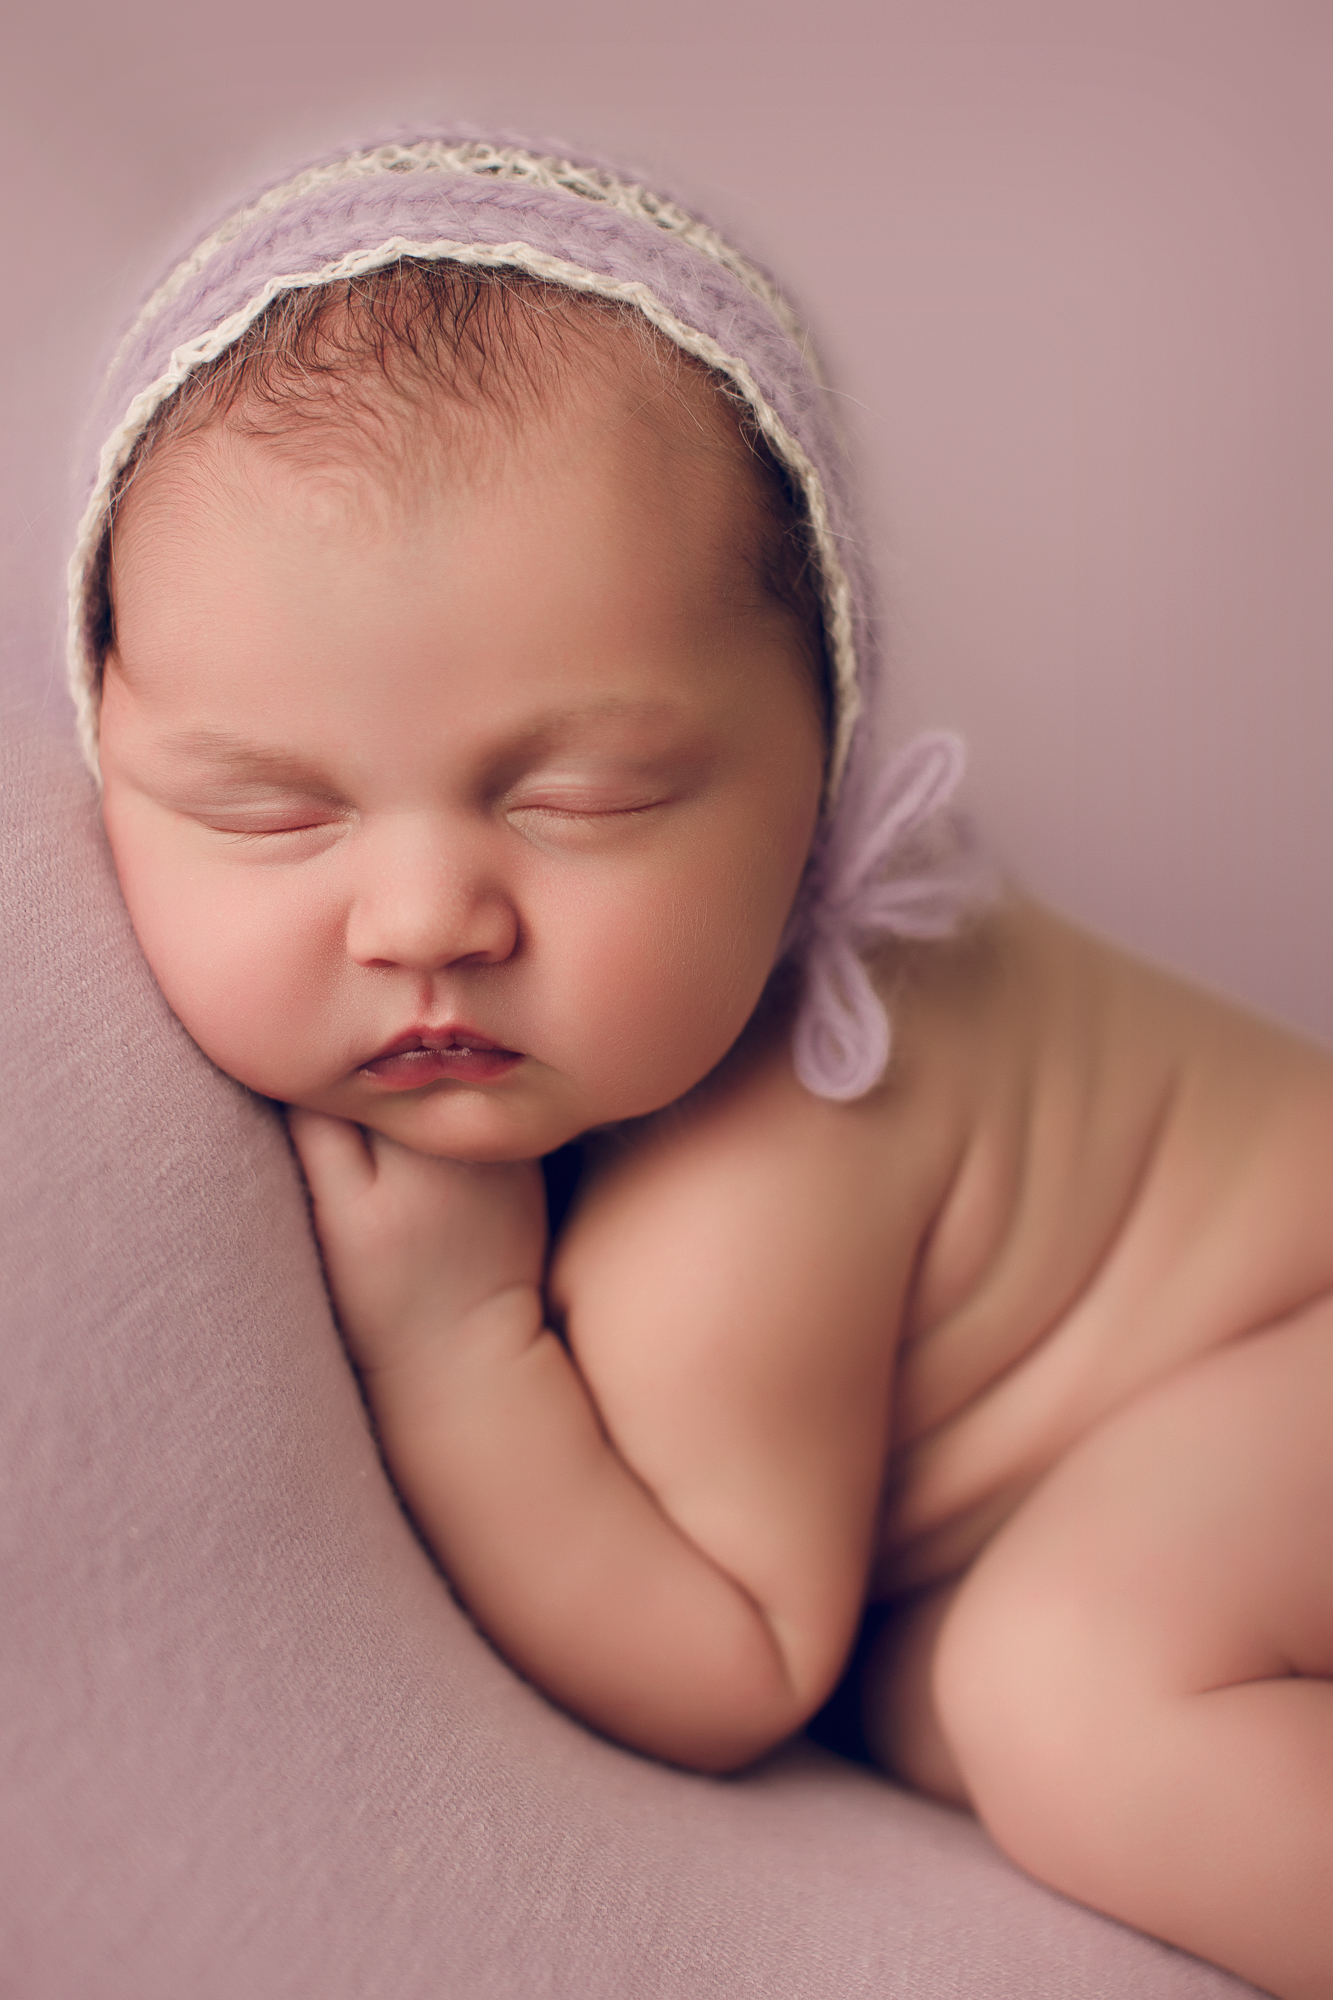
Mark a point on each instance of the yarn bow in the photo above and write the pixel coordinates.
(864, 882)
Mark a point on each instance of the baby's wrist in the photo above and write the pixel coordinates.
(452, 1378)
(498, 1327)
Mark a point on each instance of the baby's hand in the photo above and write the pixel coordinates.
(412, 1244)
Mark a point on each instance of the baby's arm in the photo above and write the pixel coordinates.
(681, 1560)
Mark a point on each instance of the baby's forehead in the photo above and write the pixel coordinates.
(605, 446)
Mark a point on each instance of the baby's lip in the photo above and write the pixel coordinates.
(456, 1035)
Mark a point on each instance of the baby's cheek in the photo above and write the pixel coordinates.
(244, 968)
(659, 986)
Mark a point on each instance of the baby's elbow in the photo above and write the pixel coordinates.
(712, 1751)
(758, 1710)
(714, 1695)
(727, 1758)
(727, 1728)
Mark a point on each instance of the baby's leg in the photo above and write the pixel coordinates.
(1136, 1677)
(899, 1714)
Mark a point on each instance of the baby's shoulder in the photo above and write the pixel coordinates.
(1024, 997)
(961, 1013)
(1070, 991)
(750, 1177)
(751, 1132)
(1109, 1102)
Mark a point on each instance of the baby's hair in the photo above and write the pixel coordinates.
(346, 367)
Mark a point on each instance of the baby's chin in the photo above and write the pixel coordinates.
(467, 1125)
(480, 1152)
(491, 1129)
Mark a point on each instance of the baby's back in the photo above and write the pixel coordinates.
(1146, 1175)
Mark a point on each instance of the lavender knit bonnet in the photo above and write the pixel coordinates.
(884, 859)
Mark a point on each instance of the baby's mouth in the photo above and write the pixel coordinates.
(421, 1056)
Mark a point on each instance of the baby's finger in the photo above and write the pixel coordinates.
(333, 1153)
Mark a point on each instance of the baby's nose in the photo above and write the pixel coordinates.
(424, 901)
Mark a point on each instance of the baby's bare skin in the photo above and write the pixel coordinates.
(1143, 1174)
(534, 755)
(1109, 1495)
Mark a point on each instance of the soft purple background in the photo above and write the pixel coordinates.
(1070, 265)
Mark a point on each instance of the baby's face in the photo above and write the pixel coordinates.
(470, 814)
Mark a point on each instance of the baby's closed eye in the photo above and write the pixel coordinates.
(292, 824)
(252, 825)
(573, 808)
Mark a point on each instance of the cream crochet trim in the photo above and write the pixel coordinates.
(503, 163)
(508, 163)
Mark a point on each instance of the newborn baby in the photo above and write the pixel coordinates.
(468, 656)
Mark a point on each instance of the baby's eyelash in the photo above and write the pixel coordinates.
(588, 812)
(254, 833)
(573, 806)
(264, 832)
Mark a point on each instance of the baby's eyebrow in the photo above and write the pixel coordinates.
(611, 708)
(238, 754)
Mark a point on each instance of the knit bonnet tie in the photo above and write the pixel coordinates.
(869, 878)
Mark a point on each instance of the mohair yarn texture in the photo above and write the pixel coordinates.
(884, 860)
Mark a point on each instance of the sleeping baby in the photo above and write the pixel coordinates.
(469, 632)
